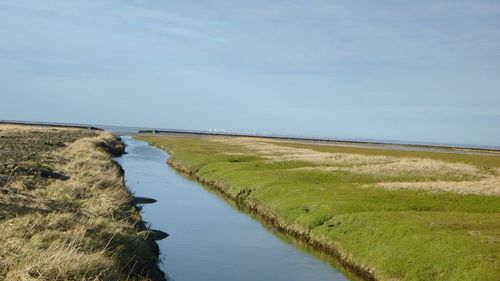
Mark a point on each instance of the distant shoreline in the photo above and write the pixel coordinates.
(121, 130)
(374, 144)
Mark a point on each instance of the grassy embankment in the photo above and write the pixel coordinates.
(387, 214)
(65, 213)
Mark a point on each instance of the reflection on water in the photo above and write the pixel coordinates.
(209, 238)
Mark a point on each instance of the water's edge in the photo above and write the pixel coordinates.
(357, 269)
(351, 267)
(212, 238)
(117, 149)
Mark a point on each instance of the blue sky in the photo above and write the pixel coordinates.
(399, 70)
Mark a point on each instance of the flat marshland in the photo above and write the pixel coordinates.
(386, 214)
(65, 213)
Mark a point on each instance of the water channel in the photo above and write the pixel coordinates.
(209, 238)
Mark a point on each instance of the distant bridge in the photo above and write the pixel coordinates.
(392, 144)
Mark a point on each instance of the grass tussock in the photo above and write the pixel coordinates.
(80, 228)
(340, 199)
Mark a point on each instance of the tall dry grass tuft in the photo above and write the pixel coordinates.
(89, 230)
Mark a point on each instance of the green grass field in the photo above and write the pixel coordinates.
(396, 215)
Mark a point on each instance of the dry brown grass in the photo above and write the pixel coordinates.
(52, 248)
(490, 185)
(92, 177)
(7, 127)
(82, 228)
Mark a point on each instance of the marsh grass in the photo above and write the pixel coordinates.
(82, 228)
(400, 172)
(331, 197)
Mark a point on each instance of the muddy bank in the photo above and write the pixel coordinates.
(65, 211)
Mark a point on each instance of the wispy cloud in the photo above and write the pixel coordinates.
(375, 65)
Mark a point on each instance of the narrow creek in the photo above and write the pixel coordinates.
(209, 238)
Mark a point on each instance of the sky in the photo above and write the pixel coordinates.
(426, 71)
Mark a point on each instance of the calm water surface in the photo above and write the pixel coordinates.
(210, 239)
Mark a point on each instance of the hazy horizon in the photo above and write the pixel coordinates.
(424, 71)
